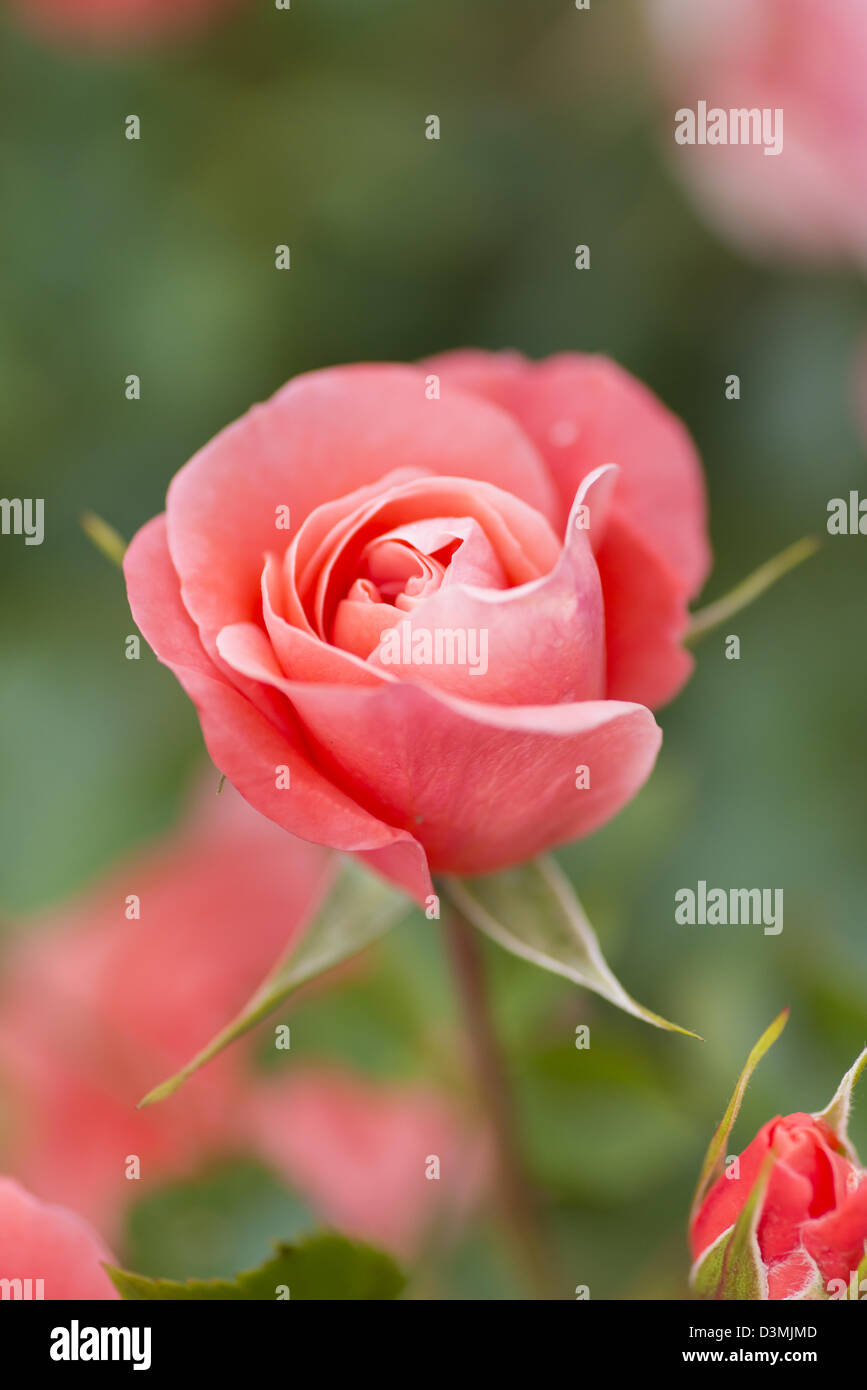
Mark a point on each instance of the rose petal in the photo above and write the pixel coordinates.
(583, 411)
(52, 1244)
(540, 643)
(246, 745)
(404, 750)
(322, 436)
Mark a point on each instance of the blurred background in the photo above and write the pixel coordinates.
(156, 257)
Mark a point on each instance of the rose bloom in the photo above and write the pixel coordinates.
(50, 1244)
(110, 21)
(363, 1153)
(813, 1226)
(807, 57)
(411, 602)
(95, 1009)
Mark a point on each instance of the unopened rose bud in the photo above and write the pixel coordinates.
(789, 1219)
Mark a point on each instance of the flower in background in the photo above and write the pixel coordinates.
(805, 57)
(118, 21)
(314, 550)
(94, 1007)
(383, 1163)
(48, 1252)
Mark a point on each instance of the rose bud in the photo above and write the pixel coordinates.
(401, 596)
(787, 1219)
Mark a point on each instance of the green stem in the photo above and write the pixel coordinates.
(108, 541)
(516, 1197)
(750, 588)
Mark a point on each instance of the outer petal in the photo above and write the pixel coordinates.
(722, 1206)
(320, 437)
(837, 1241)
(52, 1244)
(646, 618)
(245, 744)
(405, 751)
(583, 411)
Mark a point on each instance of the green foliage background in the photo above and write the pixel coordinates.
(157, 258)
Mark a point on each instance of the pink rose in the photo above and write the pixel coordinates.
(813, 1226)
(49, 1250)
(804, 57)
(397, 639)
(381, 1163)
(95, 1008)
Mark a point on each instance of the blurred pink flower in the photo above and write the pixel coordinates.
(807, 57)
(95, 1008)
(111, 21)
(52, 1245)
(365, 1154)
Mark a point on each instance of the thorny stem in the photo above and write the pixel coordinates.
(516, 1197)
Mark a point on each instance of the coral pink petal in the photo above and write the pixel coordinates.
(723, 1204)
(244, 744)
(646, 618)
(837, 1241)
(586, 411)
(540, 643)
(320, 437)
(51, 1244)
(404, 750)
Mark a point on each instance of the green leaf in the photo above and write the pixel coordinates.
(359, 909)
(836, 1112)
(733, 1268)
(714, 1159)
(533, 912)
(749, 589)
(325, 1266)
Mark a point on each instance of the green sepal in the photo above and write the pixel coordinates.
(359, 909)
(732, 1268)
(533, 912)
(714, 1159)
(837, 1111)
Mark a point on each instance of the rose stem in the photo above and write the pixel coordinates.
(517, 1200)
